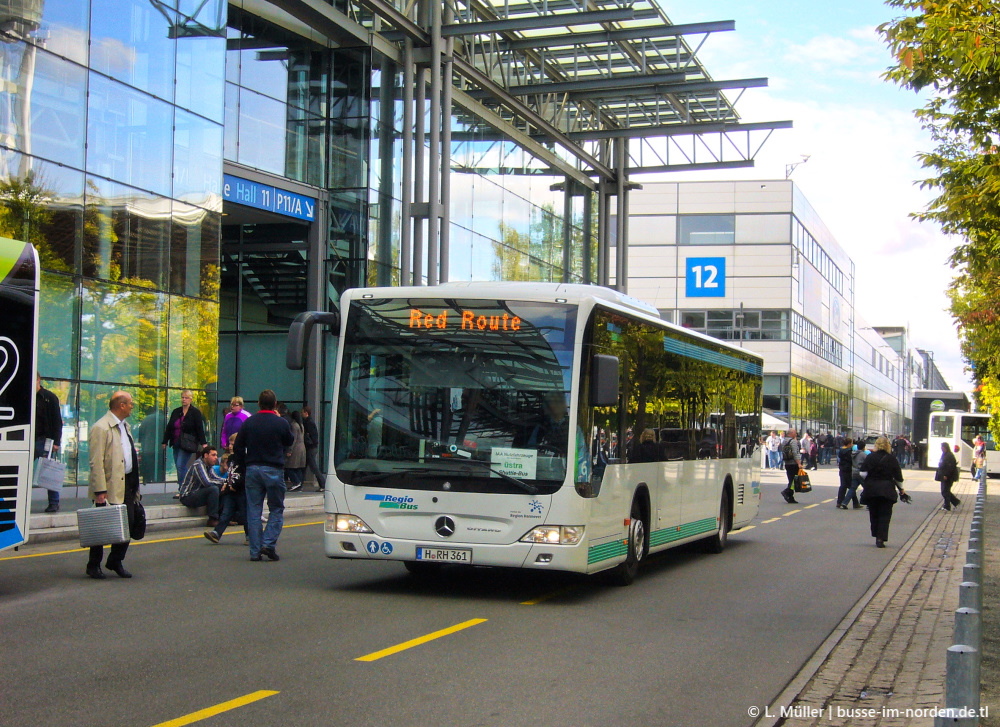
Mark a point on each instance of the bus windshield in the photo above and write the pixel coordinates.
(462, 395)
(977, 426)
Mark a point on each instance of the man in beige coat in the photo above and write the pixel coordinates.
(114, 476)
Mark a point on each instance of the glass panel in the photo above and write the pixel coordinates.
(131, 40)
(194, 251)
(59, 26)
(126, 234)
(201, 58)
(129, 136)
(305, 158)
(122, 336)
(231, 128)
(147, 421)
(44, 104)
(693, 319)
(706, 229)
(194, 343)
(42, 203)
(262, 132)
(197, 160)
(942, 427)
(58, 326)
(256, 370)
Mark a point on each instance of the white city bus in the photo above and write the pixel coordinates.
(561, 427)
(958, 429)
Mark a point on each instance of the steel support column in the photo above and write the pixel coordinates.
(448, 72)
(621, 261)
(406, 186)
(434, 150)
(567, 237)
(418, 175)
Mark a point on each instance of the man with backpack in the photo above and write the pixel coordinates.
(791, 457)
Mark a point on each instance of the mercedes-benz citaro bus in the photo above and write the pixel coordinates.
(534, 425)
(959, 429)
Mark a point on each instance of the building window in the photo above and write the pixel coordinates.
(733, 325)
(706, 229)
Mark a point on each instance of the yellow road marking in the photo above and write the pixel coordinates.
(815, 504)
(547, 596)
(142, 542)
(218, 709)
(419, 640)
(772, 520)
(826, 501)
(791, 512)
(748, 527)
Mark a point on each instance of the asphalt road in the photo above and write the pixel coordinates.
(697, 640)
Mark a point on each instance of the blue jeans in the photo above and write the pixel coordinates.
(263, 481)
(774, 458)
(234, 507)
(40, 452)
(181, 460)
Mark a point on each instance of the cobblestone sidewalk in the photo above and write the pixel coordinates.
(888, 656)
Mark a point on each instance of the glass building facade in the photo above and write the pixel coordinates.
(120, 119)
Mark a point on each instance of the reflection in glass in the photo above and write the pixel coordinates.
(201, 60)
(129, 136)
(131, 40)
(261, 132)
(194, 343)
(126, 234)
(59, 26)
(197, 159)
(44, 106)
(122, 337)
(231, 127)
(42, 203)
(58, 326)
(194, 251)
(69, 446)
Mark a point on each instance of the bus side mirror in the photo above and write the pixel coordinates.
(298, 335)
(604, 381)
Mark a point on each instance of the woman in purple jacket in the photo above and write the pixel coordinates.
(233, 421)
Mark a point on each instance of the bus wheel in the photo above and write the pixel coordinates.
(421, 569)
(717, 542)
(624, 574)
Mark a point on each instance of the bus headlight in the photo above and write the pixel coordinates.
(346, 523)
(554, 535)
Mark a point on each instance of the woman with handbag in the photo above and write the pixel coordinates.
(185, 433)
(883, 480)
(947, 475)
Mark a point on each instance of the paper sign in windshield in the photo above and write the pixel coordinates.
(519, 463)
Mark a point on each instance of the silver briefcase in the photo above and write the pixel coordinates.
(106, 525)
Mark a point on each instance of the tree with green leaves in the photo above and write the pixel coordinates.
(948, 51)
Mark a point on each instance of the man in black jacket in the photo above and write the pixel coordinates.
(260, 449)
(48, 425)
(310, 438)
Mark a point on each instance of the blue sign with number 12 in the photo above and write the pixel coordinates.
(706, 277)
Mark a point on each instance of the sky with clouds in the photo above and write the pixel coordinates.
(824, 63)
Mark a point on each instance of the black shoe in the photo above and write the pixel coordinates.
(94, 571)
(295, 488)
(787, 494)
(212, 535)
(792, 501)
(956, 502)
(271, 553)
(857, 506)
(256, 558)
(52, 508)
(119, 569)
(842, 507)
(879, 543)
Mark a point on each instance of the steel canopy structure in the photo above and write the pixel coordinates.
(595, 91)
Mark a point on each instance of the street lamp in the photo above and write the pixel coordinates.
(789, 168)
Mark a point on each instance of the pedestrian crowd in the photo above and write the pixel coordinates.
(262, 456)
(877, 474)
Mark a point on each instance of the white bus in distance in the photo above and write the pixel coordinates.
(958, 429)
(547, 426)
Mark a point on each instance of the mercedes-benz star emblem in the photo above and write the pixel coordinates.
(444, 526)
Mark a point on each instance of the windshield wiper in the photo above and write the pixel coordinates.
(379, 476)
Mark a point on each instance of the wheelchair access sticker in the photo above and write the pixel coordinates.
(374, 548)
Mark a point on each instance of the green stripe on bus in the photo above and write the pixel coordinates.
(606, 550)
(616, 548)
(10, 253)
(668, 535)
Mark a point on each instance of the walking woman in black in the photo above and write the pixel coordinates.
(883, 480)
(947, 475)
